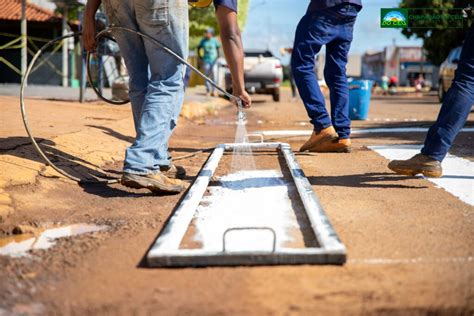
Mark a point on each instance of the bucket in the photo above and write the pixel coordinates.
(359, 99)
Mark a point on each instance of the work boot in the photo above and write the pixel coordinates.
(158, 183)
(326, 134)
(417, 164)
(173, 171)
(337, 145)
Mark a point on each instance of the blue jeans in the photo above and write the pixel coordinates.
(456, 106)
(210, 70)
(156, 78)
(332, 27)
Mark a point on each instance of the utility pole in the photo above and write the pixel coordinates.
(24, 50)
(65, 72)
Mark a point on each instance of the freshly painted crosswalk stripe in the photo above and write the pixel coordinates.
(458, 173)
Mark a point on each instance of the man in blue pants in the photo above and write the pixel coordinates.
(451, 119)
(330, 23)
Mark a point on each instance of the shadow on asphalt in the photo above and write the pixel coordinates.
(366, 180)
(73, 165)
(113, 133)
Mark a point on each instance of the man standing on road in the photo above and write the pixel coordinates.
(156, 78)
(208, 51)
(451, 119)
(330, 23)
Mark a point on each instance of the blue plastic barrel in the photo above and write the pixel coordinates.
(359, 99)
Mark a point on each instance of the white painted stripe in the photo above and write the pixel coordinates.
(354, 132)
(458, 173)
(257, 198)
(419, 260)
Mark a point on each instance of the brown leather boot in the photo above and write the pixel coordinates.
(327, 134)
(333, 146)
(158, 183)
(418, 164)
(173, 171)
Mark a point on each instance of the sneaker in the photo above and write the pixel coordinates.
(158, 183)
(418, 164)
(327, 134)
(173, 171)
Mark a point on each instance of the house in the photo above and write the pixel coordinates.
(43, 25)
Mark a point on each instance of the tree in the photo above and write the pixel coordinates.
(439, 39)
(201, 19)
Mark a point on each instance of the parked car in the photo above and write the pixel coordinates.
(263, 74)
(446, 72)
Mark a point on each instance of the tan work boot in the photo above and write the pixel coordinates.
(333, 146)
(158, 183)
(327, 134)
(173, 171)
(417, 164)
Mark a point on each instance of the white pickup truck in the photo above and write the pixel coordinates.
(263, 74)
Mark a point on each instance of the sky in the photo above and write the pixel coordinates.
(272, 23)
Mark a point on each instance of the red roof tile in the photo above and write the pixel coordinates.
(11, 10)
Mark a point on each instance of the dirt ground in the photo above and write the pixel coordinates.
(410, 244)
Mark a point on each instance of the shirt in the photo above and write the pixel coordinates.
(324, 4)
(231, 4)
(210, 48)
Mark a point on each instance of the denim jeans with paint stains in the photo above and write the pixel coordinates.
(156, 78)
(332, 27)
(456, 106)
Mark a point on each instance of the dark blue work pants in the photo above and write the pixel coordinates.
(456, 106)
(332, 27)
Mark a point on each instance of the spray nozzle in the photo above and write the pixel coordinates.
(241, 117)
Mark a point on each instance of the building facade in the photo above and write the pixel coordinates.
(406, 63)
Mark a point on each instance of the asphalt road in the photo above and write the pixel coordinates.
(410, 242)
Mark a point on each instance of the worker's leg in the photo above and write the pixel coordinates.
(132, 49)
(167, 22)
(452, 117)
(312, 33)
(456, 106)
(207, 67)
(213, 76)
(337, 52)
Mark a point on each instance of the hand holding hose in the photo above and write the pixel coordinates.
(244, 98)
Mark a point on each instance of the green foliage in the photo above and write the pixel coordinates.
(439, 39)
(201, 19)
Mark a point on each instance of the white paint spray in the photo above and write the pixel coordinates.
(458, 173)
(258, 198)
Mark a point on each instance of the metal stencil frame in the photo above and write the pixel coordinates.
(165, 251)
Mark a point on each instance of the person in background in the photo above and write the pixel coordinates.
(156, 86)
(208, 51)
(419, 83)
(330, 23)
(451, 119)
(385, 84)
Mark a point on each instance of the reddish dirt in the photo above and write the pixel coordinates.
(410, 244)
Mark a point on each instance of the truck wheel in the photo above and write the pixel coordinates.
(441, 93)
(276, 95)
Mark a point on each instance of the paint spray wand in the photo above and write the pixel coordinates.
(241, 116)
